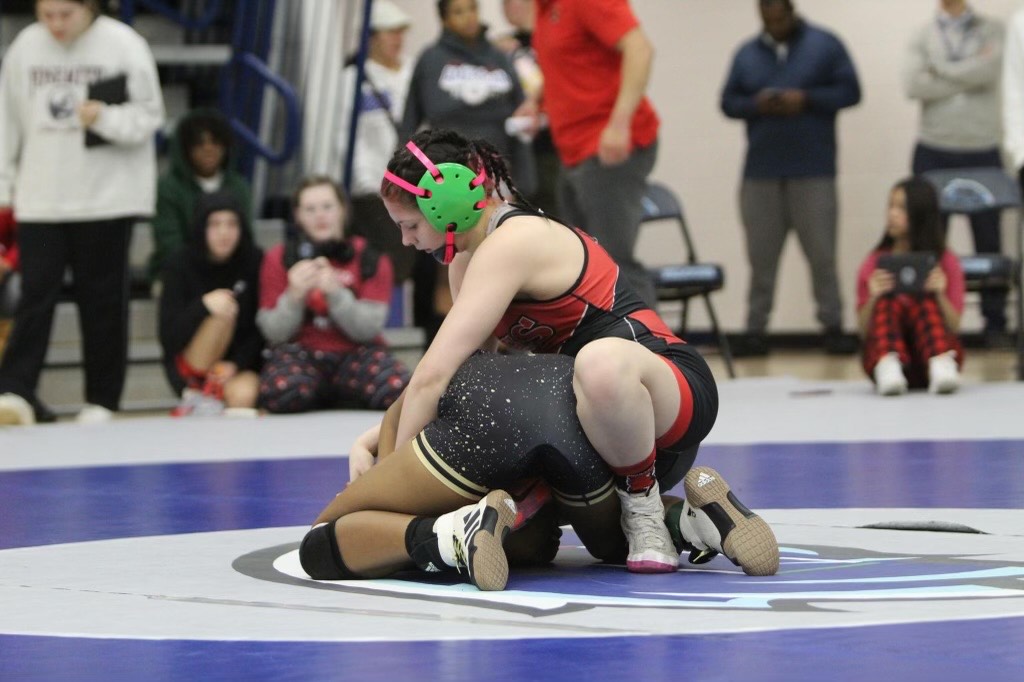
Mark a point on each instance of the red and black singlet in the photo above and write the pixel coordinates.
(598, 305)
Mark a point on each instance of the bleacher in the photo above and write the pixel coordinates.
(190, 61)
(146, 388)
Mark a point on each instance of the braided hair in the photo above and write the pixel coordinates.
(447, 146)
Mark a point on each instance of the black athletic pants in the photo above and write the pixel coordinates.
(96, 252)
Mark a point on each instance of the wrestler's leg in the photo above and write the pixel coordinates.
(598, 527)
(398, 514)
(397, 483)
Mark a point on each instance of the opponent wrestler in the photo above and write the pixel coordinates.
(505, 418)
(534, 283)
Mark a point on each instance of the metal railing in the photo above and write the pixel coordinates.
(210, 14)
(245, 78)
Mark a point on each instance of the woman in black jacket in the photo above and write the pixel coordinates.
(211, 345)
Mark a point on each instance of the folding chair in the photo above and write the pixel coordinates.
(973, 190)
(683, 281)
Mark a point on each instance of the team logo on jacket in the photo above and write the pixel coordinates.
(473, 84)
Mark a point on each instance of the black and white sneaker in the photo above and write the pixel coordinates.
(715, 519)
(479, 537)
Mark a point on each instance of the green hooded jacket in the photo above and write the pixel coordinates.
(177, 193)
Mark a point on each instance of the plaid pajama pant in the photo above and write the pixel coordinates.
(911, 326)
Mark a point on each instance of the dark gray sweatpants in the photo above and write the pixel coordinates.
(770, 208)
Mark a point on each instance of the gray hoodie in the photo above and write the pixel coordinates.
(469, 88)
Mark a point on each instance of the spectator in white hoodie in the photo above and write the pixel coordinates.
(380, 106)
(75, 202)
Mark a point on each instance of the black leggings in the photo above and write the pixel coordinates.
(96, 252)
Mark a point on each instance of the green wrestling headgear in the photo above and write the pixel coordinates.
(450, 195)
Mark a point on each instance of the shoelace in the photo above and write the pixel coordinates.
(648, 526)
(460, 554)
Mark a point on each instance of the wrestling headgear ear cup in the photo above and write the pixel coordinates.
(451, 196)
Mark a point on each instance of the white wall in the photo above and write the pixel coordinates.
(701, 151)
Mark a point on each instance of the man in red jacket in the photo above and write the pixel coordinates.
(596, 62)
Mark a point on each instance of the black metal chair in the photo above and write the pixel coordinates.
(683, 281)
(973, 190)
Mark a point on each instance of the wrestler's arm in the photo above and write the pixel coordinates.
(376, 442)
(389, 428)
(363, 452)
(456, 273)
(496, 273)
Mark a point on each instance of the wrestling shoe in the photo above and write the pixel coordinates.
(643, 521)
(716, 519)
(478, 533)
(697, 555)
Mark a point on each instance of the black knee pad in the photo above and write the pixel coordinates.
(320, 556)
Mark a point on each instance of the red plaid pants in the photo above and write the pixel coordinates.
(912, 327)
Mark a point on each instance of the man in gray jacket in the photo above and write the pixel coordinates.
(953, 69)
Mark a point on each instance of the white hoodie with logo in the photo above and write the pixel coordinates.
(46, 170)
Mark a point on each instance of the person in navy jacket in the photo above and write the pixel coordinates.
(787, 84)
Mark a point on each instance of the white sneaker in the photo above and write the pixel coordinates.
(195, 403)
(94, 414)
(715, 518)
(241, 412)
(15, 411)
(889, 378)
(943, 373)
(643, 521)
(477, 533)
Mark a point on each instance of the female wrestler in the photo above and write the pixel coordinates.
(534, 283)
(505, 418)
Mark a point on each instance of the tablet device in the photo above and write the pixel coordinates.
(910, 269)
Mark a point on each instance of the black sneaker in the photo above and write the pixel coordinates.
(835, 342)
(749, 345)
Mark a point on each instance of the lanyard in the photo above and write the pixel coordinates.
(956, 52)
